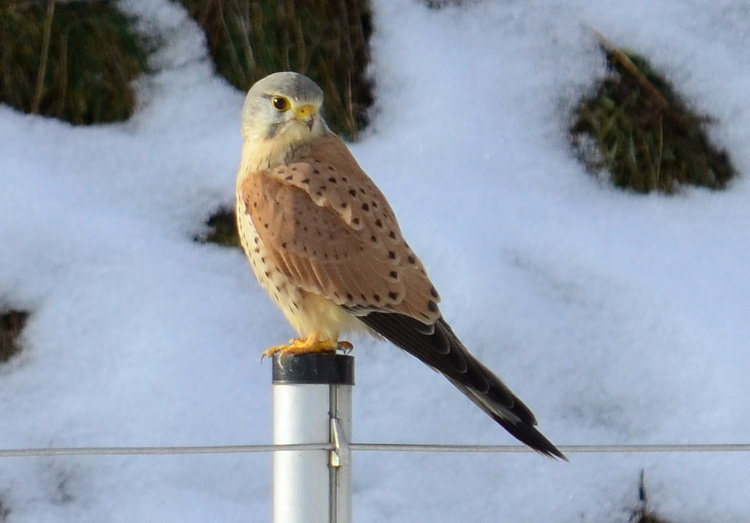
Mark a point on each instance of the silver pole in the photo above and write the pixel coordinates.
(312, 404)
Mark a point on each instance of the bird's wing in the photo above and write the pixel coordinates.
(331, 231)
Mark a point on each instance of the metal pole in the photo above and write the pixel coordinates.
(312, 403)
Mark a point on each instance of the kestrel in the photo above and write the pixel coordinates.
(325, 243)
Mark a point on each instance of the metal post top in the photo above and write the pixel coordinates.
(313, 368)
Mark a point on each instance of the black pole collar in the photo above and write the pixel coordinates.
(314, 368)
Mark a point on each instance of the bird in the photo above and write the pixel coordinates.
(325, 244)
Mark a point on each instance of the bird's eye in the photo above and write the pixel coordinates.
(280, 103)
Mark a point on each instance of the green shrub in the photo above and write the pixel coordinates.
(12, 323)
(222, 229)
(74, 61)
(636, 127)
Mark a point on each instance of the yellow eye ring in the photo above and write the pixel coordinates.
(280, 103)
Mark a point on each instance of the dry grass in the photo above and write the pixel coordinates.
(4, 512)
(326, 40)
(439, 4)
(643, 513)
(74, 60)
(638, 129)
(12, 323)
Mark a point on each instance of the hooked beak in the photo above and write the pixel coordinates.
(306, 115)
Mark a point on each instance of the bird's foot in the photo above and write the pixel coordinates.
(310, 345)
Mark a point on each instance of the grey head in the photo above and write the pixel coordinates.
(277, 103)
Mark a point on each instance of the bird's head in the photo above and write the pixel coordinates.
(284, 107)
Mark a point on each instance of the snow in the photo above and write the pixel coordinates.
(618, 318)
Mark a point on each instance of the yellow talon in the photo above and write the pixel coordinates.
(310, 345)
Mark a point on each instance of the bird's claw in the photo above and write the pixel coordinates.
(311, 345)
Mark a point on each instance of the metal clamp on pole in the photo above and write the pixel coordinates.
(312, 403)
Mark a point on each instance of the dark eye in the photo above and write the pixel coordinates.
(280, 103)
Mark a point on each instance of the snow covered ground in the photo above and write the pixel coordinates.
(618, 318)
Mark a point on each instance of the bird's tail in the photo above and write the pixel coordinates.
(439, 347)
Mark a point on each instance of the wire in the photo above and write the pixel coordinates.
(570, 449)
(366, 447)
(130, 451)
